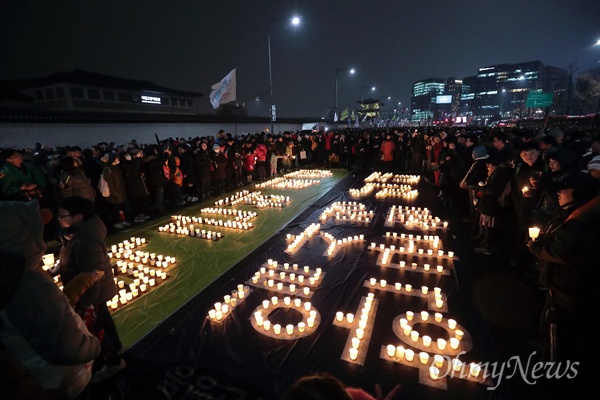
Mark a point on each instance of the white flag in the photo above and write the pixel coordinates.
(335, 117)
(224, 91)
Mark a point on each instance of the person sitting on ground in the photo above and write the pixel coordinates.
(39, 329)
(85, 250)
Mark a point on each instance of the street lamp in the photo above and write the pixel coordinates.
(338, 70)
(294, 21)
(362, 91)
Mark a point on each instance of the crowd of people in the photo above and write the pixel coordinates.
(500, 182)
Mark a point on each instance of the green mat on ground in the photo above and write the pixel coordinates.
(199, 261)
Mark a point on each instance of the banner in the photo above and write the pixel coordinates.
(224, 91)
(344, 115)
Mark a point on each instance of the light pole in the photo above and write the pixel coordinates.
(294, 21)
(338, 70)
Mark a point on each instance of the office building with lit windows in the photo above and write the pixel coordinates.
(423, 106)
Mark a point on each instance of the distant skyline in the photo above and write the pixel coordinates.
(190, 45)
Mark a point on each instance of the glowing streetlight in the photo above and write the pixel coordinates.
(294, 21)
(338, 70)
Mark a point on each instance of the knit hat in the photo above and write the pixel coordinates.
(480, 152)
(594, 163)
(216, 148)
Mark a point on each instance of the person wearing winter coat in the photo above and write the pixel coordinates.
(153, 170)
(21, 180)
(493, 193)
(73, 181)
(569, 261)
(387, 153)
(219, 174)
(261, 159)
(117, 199)
(135, 183)
(39, 329)
(84, 250)
(202, 164)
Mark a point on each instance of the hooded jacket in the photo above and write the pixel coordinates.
(38, 326)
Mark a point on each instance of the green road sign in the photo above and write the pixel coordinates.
(536, 100)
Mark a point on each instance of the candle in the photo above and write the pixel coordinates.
(426, 341)
(409, 315)
(353, 353)
(373, 281)
(424, 315)
(310, 322)
(424, 357)
(458, 334)
(276, 329)
(267, 324)
(307, 306)
(287, 301)
(407, 329)
(274, 300)
(424, 289)
(289, 329)
(409, 355)
(391, 350)
(456, 364)
(400, 352)
(454, 343)
(414, 336)
(301, 326)
(452, 324)
(408, 288)
(438, 317)
(474, 369)
(534, 232)
(360, 333)
(441, 344)
(265, 304)
(339, 316)
(350, 318)
(434, 372)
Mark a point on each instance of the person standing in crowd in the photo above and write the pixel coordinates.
(503, 149)
(152, 167)
(117, 199)
(73, 181)
(218, 177)
(249, 160)
(417, 146)
(202, 164)
(186, 158)
(135, 182)
(569, 260)
(261, 159)
(22, 180)
(84, 250)
(40, 334)
(526, 195)
(477, 173)
(561, 164)
(490, 206)
(387, 153)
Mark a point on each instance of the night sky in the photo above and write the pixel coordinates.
(190, 45)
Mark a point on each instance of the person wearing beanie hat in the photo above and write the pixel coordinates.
(480, 152)
(216, 148)
(477, 173)
(219, 173)
(594, 167)
(569, 261)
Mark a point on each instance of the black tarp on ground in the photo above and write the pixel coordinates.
(189, 357)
